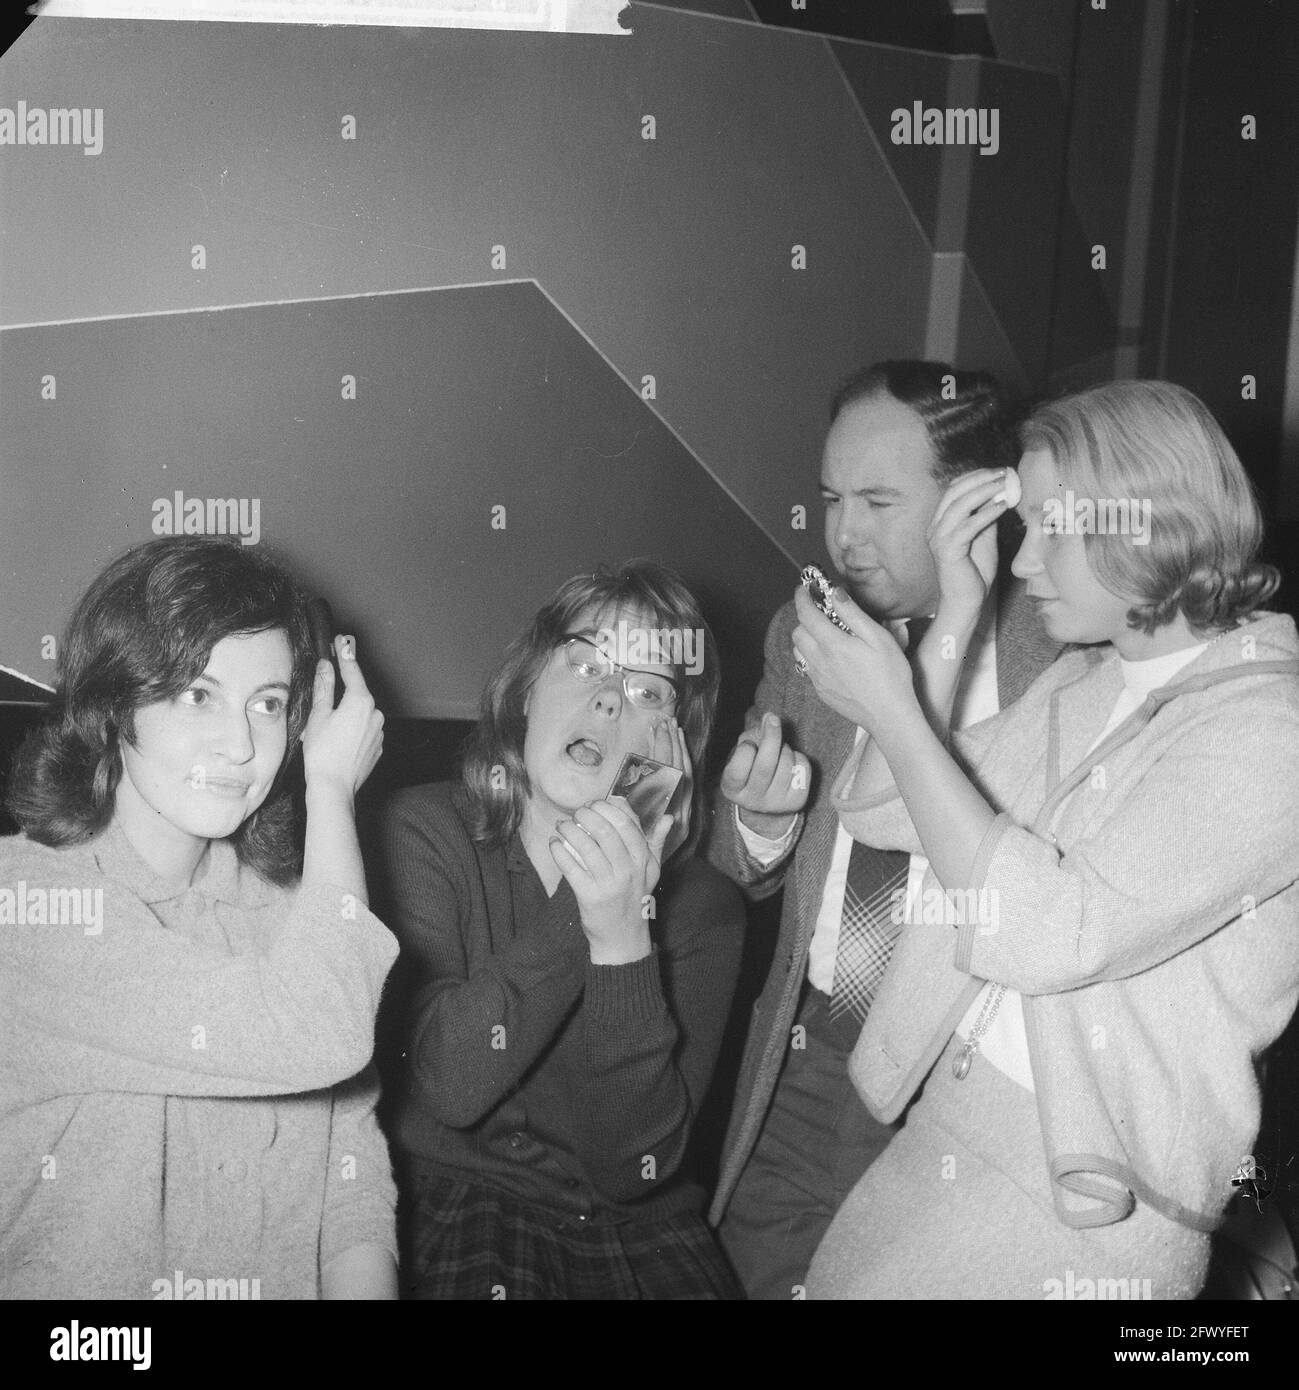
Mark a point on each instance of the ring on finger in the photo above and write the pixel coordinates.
(573, 820)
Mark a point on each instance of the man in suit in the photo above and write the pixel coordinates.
(799, 1137)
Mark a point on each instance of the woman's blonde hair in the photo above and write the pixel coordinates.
(1157, 443)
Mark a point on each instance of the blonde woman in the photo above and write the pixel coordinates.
(1081, 1026)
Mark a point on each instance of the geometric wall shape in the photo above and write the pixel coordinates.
(1036, 33)
(719, 9)
(982, 336)
(467, 399)
(1083, 322)
(914, 24)
(1014, 205)
(675, 254)
(884, 79)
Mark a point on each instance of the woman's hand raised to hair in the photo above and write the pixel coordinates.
(963, 539)
(339, 750)
(341, 746)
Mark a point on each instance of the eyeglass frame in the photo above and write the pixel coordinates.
(569, 638)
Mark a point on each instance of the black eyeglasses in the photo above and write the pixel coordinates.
(644, 689)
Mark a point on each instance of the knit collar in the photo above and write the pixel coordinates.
(1270, 636)
(223, 879)
(516, 857)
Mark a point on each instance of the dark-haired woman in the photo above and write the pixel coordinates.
(177, 1006)
(571, 986)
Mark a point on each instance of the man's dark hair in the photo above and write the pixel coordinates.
(971, 422)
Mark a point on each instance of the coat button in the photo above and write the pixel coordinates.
(518, 1139)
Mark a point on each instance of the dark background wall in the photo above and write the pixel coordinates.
(520, 384)
(1230, 256)
(468, 401)
(669, 258)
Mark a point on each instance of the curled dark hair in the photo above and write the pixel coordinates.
(494, 771)
(142, 633)
(970, 421)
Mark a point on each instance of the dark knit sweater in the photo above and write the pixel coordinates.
(527, 1067)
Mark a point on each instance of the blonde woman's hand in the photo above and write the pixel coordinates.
(864, 674)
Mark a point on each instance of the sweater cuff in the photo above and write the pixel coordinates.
(870, 802)
(324, 906)
(966, 933)
(632, 991)
(762, 849)
(366, 1220)
(839, 797)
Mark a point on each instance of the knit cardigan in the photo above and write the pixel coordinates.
(169, 1113)
(530, 1069)
(1145, 906)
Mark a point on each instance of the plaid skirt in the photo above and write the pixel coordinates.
(462, 1240)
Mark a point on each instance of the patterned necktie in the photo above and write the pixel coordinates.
(873, 901)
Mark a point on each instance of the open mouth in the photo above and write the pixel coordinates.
(223, 786)
(585, 752)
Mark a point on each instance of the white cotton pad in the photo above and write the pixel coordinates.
(1013, 491)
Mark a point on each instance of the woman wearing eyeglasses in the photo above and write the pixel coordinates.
(569, 981)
